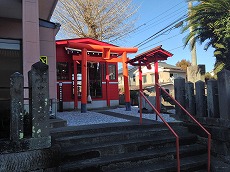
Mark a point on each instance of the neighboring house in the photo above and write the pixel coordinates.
(26, 33)
(132, 79)
(167, 74)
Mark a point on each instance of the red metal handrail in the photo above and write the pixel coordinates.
(209, 135)
(170, 128)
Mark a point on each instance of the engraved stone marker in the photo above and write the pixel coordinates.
(17, 94)
(39, 99)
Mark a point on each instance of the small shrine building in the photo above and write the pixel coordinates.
(87, 73)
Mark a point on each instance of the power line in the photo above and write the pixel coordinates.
(155, 34)
(176, 48)
(144, 24)
(160, 41)
(164, 12)
(128, 32)
(138, 32)
(159, 21)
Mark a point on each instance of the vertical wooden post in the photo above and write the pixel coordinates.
(84, 81)
(140, 96)
(156, 87)
(75, 84)
(126, 82)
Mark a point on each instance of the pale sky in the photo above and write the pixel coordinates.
(155, 15)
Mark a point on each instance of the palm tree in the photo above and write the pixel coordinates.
(210, 20)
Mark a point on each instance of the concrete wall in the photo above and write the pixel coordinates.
(48, 48)
(164, 77)
(10, 28)
(31, 43)
(94, 104)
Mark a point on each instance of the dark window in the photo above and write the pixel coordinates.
(134, 78)
(62, 71)
(10, 44)
(95, 86)
(112, 71)
(10, 62)
(103, 71)
(144, 79)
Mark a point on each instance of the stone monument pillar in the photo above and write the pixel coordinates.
(201, 106)
(224, 94)
(39, 85)
(17, 106)
(190, 98)
(179, 87)
(212, 99)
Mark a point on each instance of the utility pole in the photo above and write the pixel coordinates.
(193, 51)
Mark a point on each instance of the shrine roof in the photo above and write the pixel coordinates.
(152, 55)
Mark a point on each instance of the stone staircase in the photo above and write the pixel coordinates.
(128, 148)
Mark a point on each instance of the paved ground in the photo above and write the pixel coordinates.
(112, 115)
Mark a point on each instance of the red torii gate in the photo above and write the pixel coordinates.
(106, 50)
(145, 59)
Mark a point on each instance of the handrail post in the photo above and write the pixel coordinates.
(178, 154)
(170, 128)
(209, 135)
(157, 89)
(140, 84)
(209, 152)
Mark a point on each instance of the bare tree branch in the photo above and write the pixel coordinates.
(98, 19)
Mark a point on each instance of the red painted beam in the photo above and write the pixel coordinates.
(102, 48)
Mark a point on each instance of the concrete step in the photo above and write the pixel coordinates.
(127, 147)
(139, 158)
(102, 128)
(81, 152)
(57, 122)
(117, 136)
(187, 164)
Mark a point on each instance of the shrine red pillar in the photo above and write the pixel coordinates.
(107, 84)
(156, 87)
(84, 81)
(126, 81)
(75, 84)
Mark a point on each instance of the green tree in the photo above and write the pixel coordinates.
(98, 19)
(210, 20)
(183, 64)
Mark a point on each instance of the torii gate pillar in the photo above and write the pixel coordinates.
(126, 82)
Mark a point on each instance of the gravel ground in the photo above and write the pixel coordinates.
(76, 118)
(134, 112)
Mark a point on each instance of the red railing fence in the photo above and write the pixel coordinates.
(170, 128)
(209, 135)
